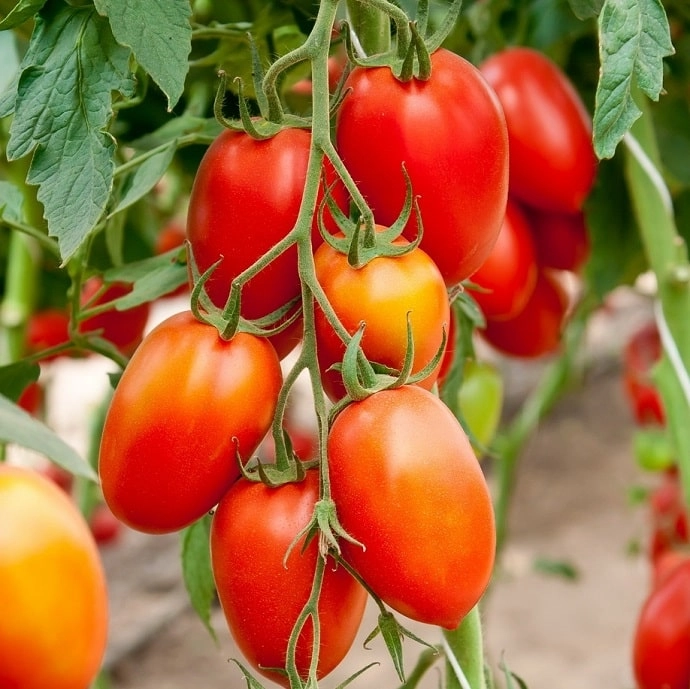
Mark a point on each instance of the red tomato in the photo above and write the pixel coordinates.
(536, 330)
(59, 476)
(123, 328)
(408, 486)
(665, 563)
(561, 239)
(450, 133)
(105, 526)
(46, 329)
(507, 278)
(261, 597)
(31, 398)
(552, 161)
(381, 294)
(641, 352)
(245, 198)
(167, 452)
(662, 636)
(668, 515)
(54, 619)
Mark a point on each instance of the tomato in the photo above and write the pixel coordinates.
(31, 399)
(507, 278)
(641, 352)
(59, 476)
(669, 516)
(167, 451)
(536, 330)
(662, 635)
(261, 597)
(666, 563)
(450, 134)
(381, 294)
(46, 329)
(561, 239)
(172, 236)
(54, 619)
(480, 400)
(245, 198)
(552, 161)
(408, 486)
(124, 329)
(105, 526)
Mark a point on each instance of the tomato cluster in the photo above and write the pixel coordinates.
(371, 307)
(522, 286)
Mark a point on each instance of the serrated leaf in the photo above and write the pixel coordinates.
(145, 177)
(585, 9)
(20, 428)
(156, 284)
(11, 200)
(63, 107)
(206, 130)
(10, 62)
(634, 38)
(15, 377)
(23, 10)
(197, 571)
(159, 35)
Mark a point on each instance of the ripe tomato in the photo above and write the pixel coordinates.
(450, 133)
(507, 278)
(641, 352)
(124, 329)
(167, 452)
(31, 399)
(561, 239)
(408, 486)
(105, 526)
(662, 635)
(245, 198)
(381, 294)
(45, 329)
(261, 597)
(54, 619)
(536, 330)
(669, 517)
(552, 161)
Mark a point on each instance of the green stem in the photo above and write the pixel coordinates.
(464, 649)
(667, 255)
(371, 26)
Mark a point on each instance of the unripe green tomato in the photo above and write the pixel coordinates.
(480, 402)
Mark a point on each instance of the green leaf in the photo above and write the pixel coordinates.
(20, 428)
(15, 377)
(160, 36)
(558, 568)
(63, 107)
(145, 177)
(197, 571)
(634, 38)
(585, 9)
(23, 10)
(390, 631)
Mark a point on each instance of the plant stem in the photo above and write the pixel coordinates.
(464, 649)
(371, 26)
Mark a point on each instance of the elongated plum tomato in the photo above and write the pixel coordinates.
(552, 162)
(536, 330)
(408, 487)
(168, 451)
(507, 278)
(450, 134)
(54, 620)
(382, 294)
(561, 239)
(261, 596)
(245, 199)
(662, 635)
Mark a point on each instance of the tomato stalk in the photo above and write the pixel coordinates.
(464, 649)
(667, 255)
(371, 26)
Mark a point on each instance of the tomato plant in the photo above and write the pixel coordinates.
(263, 588)
(399, 452)
(662, 634)
(506, 279)
(552, 162)
(383, 294)
(451, 123)
(186, 404)
(54, 587)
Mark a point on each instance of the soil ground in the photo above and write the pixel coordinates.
(571, 504)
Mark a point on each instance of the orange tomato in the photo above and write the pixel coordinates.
(53, 597)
